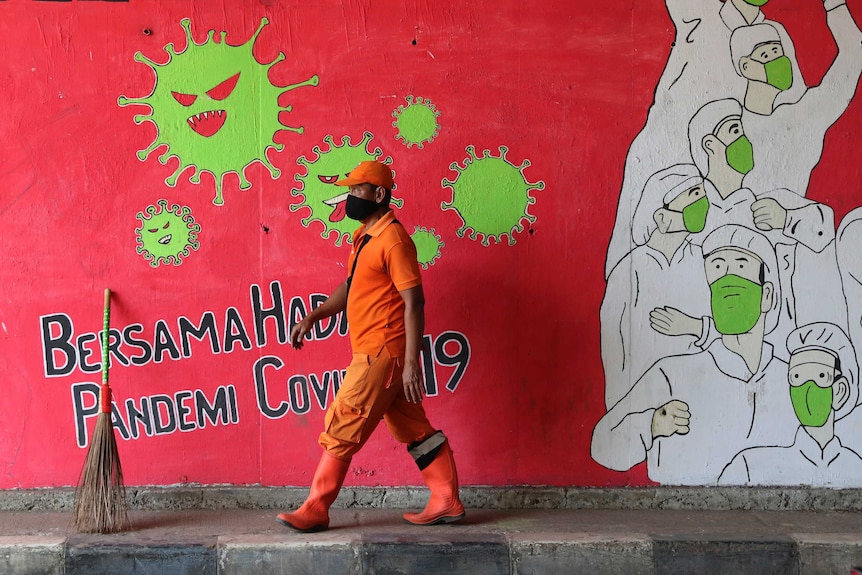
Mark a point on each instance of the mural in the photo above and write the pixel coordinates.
(639, 244)
(697, 372)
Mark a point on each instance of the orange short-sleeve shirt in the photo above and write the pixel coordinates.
(387, 264)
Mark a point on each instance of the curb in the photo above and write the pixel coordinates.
(621, 498)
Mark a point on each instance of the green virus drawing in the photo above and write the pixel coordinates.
(166, 235)
(491, 195)
(417, 122)
(325, 201)
(428, 246)
(215, 109)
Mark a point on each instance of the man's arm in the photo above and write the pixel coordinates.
(414, 325)
(335, 303)
(827, 102)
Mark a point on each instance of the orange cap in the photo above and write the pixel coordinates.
(370, 172)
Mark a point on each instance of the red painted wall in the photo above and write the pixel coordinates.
(565, 85)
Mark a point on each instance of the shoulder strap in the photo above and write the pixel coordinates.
(356, 259)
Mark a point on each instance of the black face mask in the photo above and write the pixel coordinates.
(358, 208)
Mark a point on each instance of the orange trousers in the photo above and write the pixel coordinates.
(372, 390)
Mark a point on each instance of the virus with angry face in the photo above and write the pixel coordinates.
(214, 109)
(166, 235)
(324, 201)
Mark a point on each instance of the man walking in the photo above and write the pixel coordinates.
(384, 303)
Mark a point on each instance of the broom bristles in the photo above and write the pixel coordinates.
(100, 501)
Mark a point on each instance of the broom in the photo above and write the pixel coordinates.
(100, 500)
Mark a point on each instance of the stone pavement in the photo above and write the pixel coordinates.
(489, 541)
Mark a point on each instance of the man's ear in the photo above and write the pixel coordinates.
(662, 219)
(768, 296)
(840, 393)
(752, 69)
(379, 194)
(710, 144)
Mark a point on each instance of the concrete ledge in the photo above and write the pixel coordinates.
(552, 553)
(828, 553)
(328, 552)
(526, 497)
(133, 553)
(32, 555)
(719, 555)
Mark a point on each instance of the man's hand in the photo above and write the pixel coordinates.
(298, 332)
(768, 215)
(672, 417)
(670, 321)
(412, 381)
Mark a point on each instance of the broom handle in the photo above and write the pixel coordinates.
(105, 392)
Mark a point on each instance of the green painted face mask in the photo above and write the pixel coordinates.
(735, 304)
(812, 403)
(740, 155)
(694, 215)
(756, 2)
(779, 73)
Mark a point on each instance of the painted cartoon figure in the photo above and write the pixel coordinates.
(690, 414)
(824, 386)
(788, 135)
(672, 208)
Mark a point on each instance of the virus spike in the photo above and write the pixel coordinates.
(141, 118)
(125, 101)
(172, 179)
(171, 51)
(244, 184)
(313, 81)
(263, 22)
(186, 23)
(139, 57)
(145, 153)
(278, 59)
(218, 200)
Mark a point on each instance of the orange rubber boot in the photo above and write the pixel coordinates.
(444, 506)
(313, 515)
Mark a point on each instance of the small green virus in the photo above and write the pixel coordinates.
(325, 201)
(166, 235)
(428, 245)
(491, 195)
(417, 122)
(214, 108)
